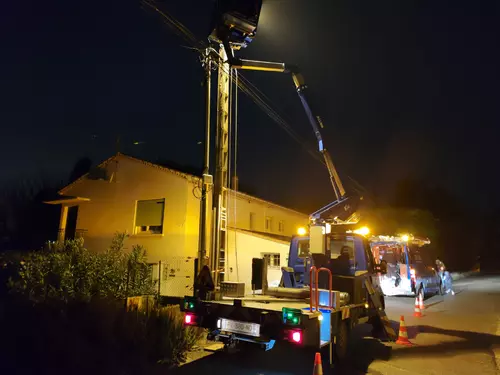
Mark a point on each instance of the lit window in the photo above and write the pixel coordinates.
(281, 226)
(268, 223)
(149, 217)
(273, 260)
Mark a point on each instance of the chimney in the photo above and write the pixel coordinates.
(235, 183)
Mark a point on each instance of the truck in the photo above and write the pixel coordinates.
(331, 282)
(407, 273)
(330, 286)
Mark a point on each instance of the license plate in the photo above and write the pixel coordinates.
(245, 328)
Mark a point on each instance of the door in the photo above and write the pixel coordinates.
(70, 231)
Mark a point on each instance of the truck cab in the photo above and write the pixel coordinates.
(347, 255)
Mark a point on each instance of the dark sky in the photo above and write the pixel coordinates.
(405, 88)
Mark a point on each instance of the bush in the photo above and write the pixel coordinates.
(67, 271)
(90, 337)
(172, 338)
(66, 313)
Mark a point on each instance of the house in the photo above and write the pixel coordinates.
(159, 208)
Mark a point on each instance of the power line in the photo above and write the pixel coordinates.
(257, 96)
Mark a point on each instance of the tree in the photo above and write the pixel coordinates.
(81, 167)
(393, 221)
(28, 222)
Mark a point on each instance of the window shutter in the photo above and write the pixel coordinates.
(150, 213)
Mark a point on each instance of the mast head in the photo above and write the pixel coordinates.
(235, 22)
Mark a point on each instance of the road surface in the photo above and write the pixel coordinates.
(457, 335)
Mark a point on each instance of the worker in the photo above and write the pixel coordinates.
(203, 283)
(444, 275)
(344, 261)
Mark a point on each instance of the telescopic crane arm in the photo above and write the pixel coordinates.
(314, 120)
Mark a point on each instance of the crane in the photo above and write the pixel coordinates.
(234, 27)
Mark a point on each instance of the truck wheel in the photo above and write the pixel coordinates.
(342, 340)
(377, 327)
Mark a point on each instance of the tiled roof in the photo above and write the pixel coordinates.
(187, 176)
(190, 177)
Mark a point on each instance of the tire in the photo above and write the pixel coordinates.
(342, 341)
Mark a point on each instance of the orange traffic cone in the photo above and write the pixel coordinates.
(421, 302)
(403, 334)
(318, 368)
(417, 312)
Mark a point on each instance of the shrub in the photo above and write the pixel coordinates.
(67, 312)
(67, 271)
(90, 337)
(172, 338)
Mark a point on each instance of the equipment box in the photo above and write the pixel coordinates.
(232, 289)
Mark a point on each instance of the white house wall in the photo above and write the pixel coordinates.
(242, 247)
(241, 206)
(112, 209)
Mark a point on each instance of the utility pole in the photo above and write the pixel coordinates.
(207, 178)
(218, 256)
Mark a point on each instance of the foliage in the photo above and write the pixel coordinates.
(90, 337)
(393, 221)
(74, 300)
(68, 271)
(173, 338)
(25, 221)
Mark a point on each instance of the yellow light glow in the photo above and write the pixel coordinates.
(405, 237)
(301, 231)
(364, 231)
(320, 318)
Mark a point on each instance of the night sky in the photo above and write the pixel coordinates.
(405, 88)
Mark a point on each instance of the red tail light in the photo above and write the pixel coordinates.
(189, 319)
(296, 337)
(412, 274)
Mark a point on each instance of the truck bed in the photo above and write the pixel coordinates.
(272, 303)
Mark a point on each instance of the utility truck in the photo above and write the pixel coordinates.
(407, 273)
(329, 286)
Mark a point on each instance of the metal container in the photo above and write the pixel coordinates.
(232, 289)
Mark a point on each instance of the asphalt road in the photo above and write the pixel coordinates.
(457, 335)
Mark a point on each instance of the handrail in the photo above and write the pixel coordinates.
(314, 287)
(330, 286)
(312, 292)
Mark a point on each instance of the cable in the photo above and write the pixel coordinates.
(244, 84)
(177, 27)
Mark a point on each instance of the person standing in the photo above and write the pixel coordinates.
(444, 275)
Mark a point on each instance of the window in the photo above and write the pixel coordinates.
(281, 226)
(252, 221)
(268, 223)
(304, 249)
(149, 217)
(342, 255)
(273, 260)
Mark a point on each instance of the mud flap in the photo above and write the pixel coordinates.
(374, 297)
